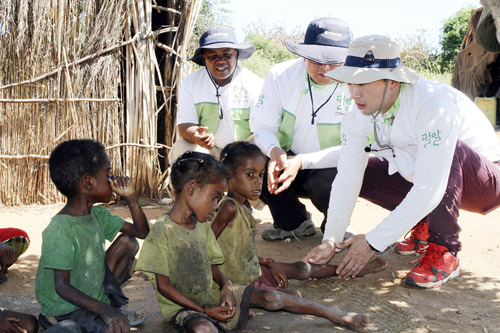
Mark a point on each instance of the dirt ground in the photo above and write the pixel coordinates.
(470, 303)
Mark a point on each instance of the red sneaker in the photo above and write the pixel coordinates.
(435, 268)
(416, 243)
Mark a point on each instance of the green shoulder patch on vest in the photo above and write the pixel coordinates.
(285, 131)
(208, 115)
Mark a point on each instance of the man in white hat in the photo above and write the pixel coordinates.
(436, 153)
(299, 111)
(215, 100)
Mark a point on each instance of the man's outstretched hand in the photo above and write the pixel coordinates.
(321, 254)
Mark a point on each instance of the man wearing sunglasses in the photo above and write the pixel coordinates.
(436, 153)
(299, 111)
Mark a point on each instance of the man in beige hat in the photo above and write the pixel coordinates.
(436, 153)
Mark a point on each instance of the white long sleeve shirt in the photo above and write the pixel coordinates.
(198, 88)
(430, 120)
(286, 89)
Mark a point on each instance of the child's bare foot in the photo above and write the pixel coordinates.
(374, 266)
(356, 321)
(251, 314)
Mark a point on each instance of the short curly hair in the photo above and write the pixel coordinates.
(193, 165)
(236, 153)
(73, 159)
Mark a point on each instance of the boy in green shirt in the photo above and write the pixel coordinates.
(77, 279)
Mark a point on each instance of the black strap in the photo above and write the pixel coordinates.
(221, 115)
(372, 248)
(315, 112)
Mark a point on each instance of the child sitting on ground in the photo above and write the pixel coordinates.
(77, 279)
(13, 243)
(182, 255)
(234, 227)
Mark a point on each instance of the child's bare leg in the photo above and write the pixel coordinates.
(374, 266)
(120, 256)
(300, 270)
(291, 292)
(273, 300)
(200, 324)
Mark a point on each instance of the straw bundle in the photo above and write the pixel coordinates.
(173, 64)
(63, 76)
(140, 68)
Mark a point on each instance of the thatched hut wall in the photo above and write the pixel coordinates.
(476, 70)
(73, 69)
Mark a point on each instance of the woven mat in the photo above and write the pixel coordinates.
(384, 316)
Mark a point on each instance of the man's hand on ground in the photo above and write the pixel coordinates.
(358, 255)
(321, 254)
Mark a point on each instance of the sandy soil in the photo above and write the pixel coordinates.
(470, 303)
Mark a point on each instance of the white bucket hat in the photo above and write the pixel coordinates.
(325, 42)
(371, 58)
(221, 38)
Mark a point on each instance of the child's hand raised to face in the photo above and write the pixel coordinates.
(122, 186)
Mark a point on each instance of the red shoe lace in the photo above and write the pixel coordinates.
(420, 250)
(414, 230)
(430, 258)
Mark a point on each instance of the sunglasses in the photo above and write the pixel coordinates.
(336, 64)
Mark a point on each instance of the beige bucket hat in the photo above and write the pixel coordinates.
(371, 58)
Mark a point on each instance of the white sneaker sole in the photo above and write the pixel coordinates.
(411, 282)
(407, 253)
